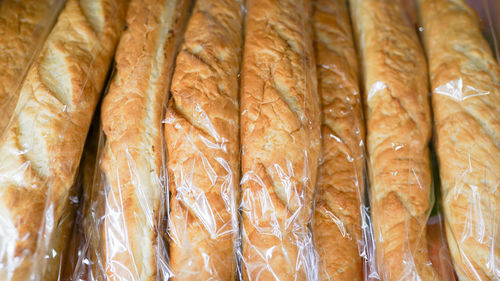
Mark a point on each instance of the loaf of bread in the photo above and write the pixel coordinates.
(339, 197)
(280, 136)
(24, 25)
(202, 137)
(398, 132)
(133, 150)
(465, 81)
(41, 147)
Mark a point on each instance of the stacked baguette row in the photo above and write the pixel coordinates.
(168, 202)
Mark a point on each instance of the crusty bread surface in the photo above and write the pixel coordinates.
(24, 25)
(280, 135)
(202, 137)
(339, 196)
(398, 133)
(465, 82)
(132, 155)
(41, 147)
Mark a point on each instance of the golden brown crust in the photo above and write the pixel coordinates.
(280, 134)
(42, 145)
(339, 197)
(201, 132)
(398, 132)
(465, 80)
(132, 153)
(24, 25)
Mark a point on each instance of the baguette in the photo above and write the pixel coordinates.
(465, 80)
(201, 132)
(280, 135)
(24, 25)
(41, 147)
(339, 198)
(132, 153)
(399, 130)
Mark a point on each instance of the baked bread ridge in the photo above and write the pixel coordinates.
(41, 147)
(339, 192)
(133, 151)
(280, 135)
(398, 134)
(24, 25)
(202, 136)
(465, 80)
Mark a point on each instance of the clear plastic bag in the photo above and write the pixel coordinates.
(79, 263)
(339, 227)
(41, 147)
(124, 210)
(439, 253)
(280, 234)
(399, 126)
(465, 84)
(280, 140)
(203, 148)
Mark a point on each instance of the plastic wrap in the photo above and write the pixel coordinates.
(165, 199)
(125, 206)
(203, 148)
(79, 263)
(398, 134)
(72, 261)
(41, 147)
(24, 25)
(439, 253)
(57, 252)
(280, 142)
(339, 211)
(465, 84)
